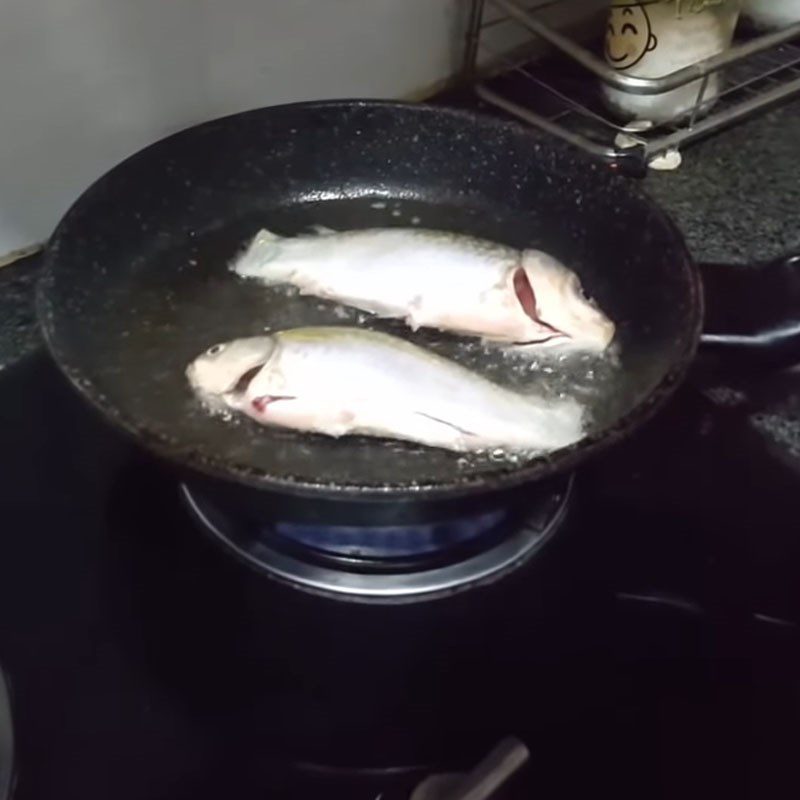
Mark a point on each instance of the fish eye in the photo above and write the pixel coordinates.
(215, 350)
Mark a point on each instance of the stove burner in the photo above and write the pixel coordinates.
(392, 541)
(390, 562)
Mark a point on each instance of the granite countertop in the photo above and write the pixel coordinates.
(736, 199)
(737, 194)
(19, 334)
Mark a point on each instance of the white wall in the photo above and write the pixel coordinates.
(83, 83)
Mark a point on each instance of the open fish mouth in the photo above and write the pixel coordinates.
(239, 389)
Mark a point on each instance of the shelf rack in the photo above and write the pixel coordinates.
(554, 94)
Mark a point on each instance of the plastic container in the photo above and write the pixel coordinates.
(657, 37)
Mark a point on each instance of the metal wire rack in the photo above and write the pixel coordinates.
(555, 95)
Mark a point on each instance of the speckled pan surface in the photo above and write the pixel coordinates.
(137, 282)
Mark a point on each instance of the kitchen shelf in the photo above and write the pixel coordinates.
(759, 71)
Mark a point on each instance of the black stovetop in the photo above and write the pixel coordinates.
(683, 683)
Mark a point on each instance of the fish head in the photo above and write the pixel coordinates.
(222, 374)
(560, 303)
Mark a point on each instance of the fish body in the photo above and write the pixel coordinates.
(340, 381)
(436, 279)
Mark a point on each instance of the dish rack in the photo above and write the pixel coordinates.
(759, 71)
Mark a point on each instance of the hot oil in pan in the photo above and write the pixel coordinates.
(184, 298)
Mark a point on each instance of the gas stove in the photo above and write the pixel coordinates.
(390, 560)
(636, 625)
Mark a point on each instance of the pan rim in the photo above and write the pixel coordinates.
(505, 477)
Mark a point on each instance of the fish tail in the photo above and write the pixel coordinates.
(258, 259)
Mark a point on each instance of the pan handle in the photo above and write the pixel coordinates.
(752, 314)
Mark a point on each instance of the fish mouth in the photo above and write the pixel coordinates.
(239, 389)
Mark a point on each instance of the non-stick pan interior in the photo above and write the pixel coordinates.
(138, 284)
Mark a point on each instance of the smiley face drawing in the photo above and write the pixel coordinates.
(629, 35)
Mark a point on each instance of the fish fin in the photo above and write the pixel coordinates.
(412, 323)
(341, 424)
(264, 235)
(415, 319)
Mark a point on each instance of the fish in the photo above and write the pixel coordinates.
(341, 381)
(436, 279)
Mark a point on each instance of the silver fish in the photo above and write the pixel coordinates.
(340, 381)
(438, 280)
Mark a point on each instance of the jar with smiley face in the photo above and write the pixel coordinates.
(652, 38)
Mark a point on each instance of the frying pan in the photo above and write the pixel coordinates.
(136, 280)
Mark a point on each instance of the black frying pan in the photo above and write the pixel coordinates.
(136, 281)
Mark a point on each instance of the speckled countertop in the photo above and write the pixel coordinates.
(737, 195)
(19, 334)
(736, 198)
